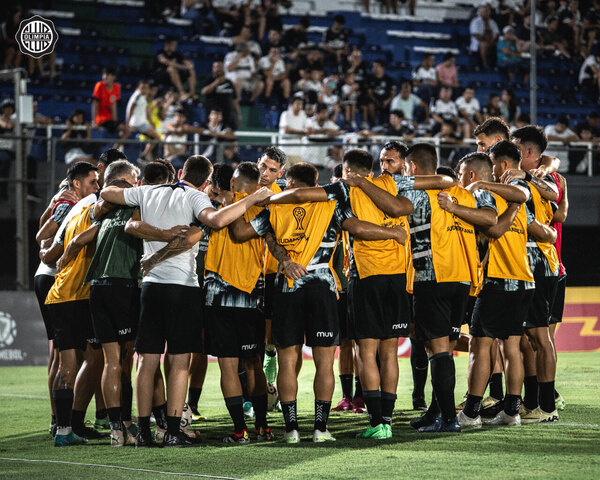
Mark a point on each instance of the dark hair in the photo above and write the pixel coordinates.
(119, 168)
(156, 173)
(321, 107)
(398, 113)
(448, 56)
(248, 171)
(380, 62)
(196, 170)
(594, 115)
(360, 159)
(506, 149)
(111, 155)
(525, 118)
(79, 170)
(493, 126)
(216, 109)
(171, 38)
(275, 153)
(512, 105)
(339, 19)
(304, 21)
(74, 113)
(478, 162)
(110, 70)
(532, 134)
(221, 176)
(399, 147)
(303, 172)
(338, 170)
(424, 155)
(446, 171)
(563, 119)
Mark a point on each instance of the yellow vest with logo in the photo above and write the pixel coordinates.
(377, 257)
(300, 229)
(69, 282)
(238, 264)
(544, 214)
(453, 245)
(508, 254)
(270, 263)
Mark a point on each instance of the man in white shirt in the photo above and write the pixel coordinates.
(425, 78)
(406, 101)
(469, 111)
(444, 109)
(138, 115)
(240, 69)
(560, 132)
(275, 74)
(484, 34)
(170, 297)
(322, 131)
(292, 127)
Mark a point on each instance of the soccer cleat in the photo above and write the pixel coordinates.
(270, 368)
(379, 432)
(102, 424)
(321, 437)
(132, 429)
(196, 416)
(492, 410)
(69, 440)
(89, 433)
(159, 434)
(419, 403)
(144, 440)
(523, 410)
(504, 418)
(462, 404)
(292, 437)
(118, 438)
(264, 435)
(560, 402)
(358, 405)
(344, 405)
(248, 410)
(489, 401)
(178, 440)
(439, 426)
(539, 416)
(53, 428)
(467, 422)
(238, 438)
(388, 430)
(422, 421)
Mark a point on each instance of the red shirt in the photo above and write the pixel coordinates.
(106, 99)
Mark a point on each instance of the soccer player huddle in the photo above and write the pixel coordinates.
(249, 265)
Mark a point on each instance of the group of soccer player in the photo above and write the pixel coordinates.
(282, 263)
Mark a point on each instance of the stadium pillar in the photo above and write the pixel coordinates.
(21, 192)
(532, 68)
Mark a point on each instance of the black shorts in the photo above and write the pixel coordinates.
(540, 308)
(169, 313)
(469, 311)
(162, 77)
(269, 291)
(42, 285)
(72, 322)
(500, 314)
(111, 126)
(439, 309)
(346, 330)
(115, 310)
(309, 312)
(234, 332)
(559, 300)
(379, 305)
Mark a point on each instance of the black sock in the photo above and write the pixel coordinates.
(270, 353)
(530, 399)
(556, 394)
(472, 406)
(388, 400)
(236, 411)
(114, 417)
(63, 403)
(441, 379)
(144, 425)
(358, 392)
(321, 414)
(512, 404)
(126, 400)
(173, 425)
(160, 415)
(77, 419)
(260, 411)
(496, 386)
(547, 397)
(290, 415)
(53, 422)
(419, 365)
(102, 413)
(346, 381)
(372, 399)
(244, 381)
(194, 396)
(433, 408)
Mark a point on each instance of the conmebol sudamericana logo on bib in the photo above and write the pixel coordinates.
(36, 36)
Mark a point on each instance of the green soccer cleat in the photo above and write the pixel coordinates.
(270, 368)
(292, 437)
(102, 424)
(379, 432)
(321, 437)
(388, 429)
(68, 440)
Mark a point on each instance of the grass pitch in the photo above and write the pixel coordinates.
(567, 449)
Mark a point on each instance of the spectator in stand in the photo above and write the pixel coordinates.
(508, 106)
(77, 151)
(551, 39)
(398, 126)
(406, 101)
(311, 86)
(591, 123)
(335, 39)
(447, 73)
(329, 97)
(231, 155)
(589, 74)
(268, 18)
(560, 132)
(484, 34)
(492, 108)
(171, 68)
(355, 65)
(295, 38)
(349, 92)
(509, 54)
(240, 69)
(381, 91)
(201, 13)
(7, 145)
(232, 19)
(312, 60)
(590, 27)
(176, 134)
(425, 78)
(444, 109)
(335, 156)
(8, 31)
(293, 125)
(522, 121)
(138, 118)
(220, 92)
(275, 75)
(569, 23)
(214, 132)
(273, 40)
(469, 111)
(448, 137)
(320, 129)
(106, 94)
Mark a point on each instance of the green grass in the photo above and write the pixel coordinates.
(568, 449)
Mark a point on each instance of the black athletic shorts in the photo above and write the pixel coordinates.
(344, 315)
(111, 126)
(310, 312)
(234, 332)
(559, 300)
(115, 310)
(269, 291)
(169, 313)
(500, 314)
(469, 311)
(540, 308)
(439, 309)
(42, 285)
(379, 305)
(72, 322)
